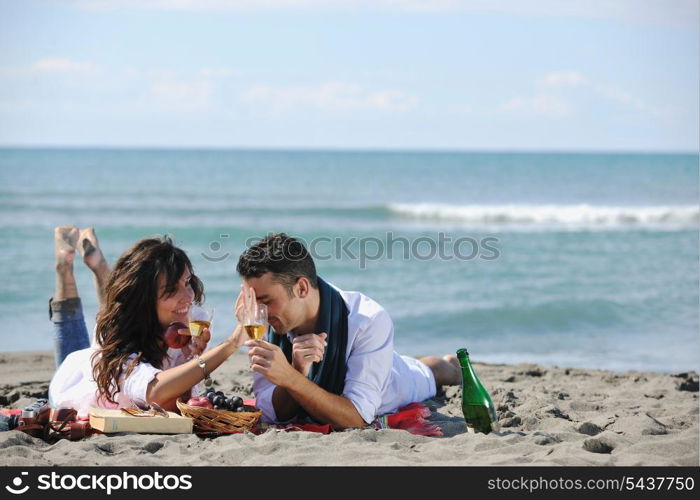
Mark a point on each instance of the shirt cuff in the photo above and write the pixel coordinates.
(263, 400)
(136, 384)
(365, 407)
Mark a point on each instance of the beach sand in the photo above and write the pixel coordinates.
(548, 416)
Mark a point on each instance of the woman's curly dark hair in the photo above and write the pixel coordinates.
(128, 321)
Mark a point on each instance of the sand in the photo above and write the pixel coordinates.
(548, 415)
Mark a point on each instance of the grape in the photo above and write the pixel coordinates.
(236, 402)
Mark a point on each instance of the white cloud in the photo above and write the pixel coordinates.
(151, 88)
(60, 65)
(627, 100)
(393, 100)
(330, 97)
(548, 99)
(541, 104)
(621, 97)
(564, 79)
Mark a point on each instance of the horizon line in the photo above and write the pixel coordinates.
(338, 149)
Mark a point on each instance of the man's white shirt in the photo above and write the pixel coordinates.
(378, 380)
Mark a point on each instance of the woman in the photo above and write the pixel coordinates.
(150, 287)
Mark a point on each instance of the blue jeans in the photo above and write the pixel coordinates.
(70, 332)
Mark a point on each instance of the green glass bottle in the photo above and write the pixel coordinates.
(477, 407)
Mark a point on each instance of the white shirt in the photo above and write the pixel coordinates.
(72, 385)
(378, 380)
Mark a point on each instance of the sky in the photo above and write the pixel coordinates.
(616, 75)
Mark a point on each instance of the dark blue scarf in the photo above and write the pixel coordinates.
(332, 319)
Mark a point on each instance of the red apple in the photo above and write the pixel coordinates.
(173, 338)
(200, 401)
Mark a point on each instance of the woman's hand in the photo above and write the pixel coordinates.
(198, 344)
(238, 336)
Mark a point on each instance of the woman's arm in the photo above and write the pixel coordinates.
(170, 384)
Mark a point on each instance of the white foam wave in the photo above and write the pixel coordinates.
(582, 216)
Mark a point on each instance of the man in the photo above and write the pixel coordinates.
(331, 353)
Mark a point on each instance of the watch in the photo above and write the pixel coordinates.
(203, 365)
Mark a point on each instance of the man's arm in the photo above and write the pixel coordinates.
(285, 405)
(269, 360)
(321, 404)
(306, 350)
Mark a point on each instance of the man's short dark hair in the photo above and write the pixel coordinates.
(283, 256)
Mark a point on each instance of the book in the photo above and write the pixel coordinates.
(108, 421)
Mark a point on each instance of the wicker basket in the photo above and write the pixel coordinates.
(209, 420)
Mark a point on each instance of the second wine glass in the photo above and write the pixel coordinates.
(255, 321)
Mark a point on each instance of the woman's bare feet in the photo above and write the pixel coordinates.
(90, 249)
(65, 241)
(93, 258)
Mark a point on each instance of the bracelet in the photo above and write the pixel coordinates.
(203, 365)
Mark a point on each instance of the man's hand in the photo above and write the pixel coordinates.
(269, 360)
(306, 350)
(245, 301)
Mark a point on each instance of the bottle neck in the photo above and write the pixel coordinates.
(464, 361)
(467, 369)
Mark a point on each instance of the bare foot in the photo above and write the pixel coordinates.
(93, 258)
(65, 241)
(90, 249)
(452, 359)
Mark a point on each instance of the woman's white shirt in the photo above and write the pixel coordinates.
(73, 385)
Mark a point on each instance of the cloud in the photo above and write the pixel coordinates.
(621, 97)
(542, 104)
(564, 79)
(147, 89)
(330, 97)
(393, 100)
(551, 90)
(59, 65)
(50, 67)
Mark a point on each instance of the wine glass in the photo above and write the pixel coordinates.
(255, 320)
(199, 319)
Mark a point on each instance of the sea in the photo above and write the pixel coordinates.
(568, 259)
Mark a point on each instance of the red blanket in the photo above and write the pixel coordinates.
(411, 418)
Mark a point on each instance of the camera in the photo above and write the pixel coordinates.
(34, 418)
(42, 421)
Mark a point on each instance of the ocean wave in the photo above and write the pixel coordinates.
(138, 203)
(582, 216)
(133, 209)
